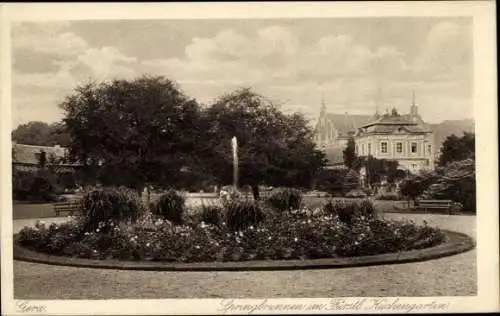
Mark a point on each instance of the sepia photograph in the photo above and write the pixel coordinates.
(314, 161)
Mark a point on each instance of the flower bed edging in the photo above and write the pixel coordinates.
(455, 243)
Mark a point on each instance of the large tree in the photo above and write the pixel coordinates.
(275, 148)
(132, 133)
(457, 182)
(41, 134)
(456, 148)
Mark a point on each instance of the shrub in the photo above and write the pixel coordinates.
(336, 181)
(457, 182)
(170, 206)
(388, 197)
(240, 214)
(285, 199)
(33, 186)
(367, 209)
(104, 204)
(279, 237)
(55, 238)
(348, 212)
(212, 214)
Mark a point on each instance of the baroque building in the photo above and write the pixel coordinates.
(392, 136)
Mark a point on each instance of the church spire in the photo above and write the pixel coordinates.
(413, 108)
(323, 104)
(377, 97)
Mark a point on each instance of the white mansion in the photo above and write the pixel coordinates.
(391, 136)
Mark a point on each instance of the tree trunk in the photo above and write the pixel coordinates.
(255, 192)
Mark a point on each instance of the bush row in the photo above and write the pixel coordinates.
(122, 204)
(340, 229)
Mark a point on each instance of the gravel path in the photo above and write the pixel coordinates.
(450, 276)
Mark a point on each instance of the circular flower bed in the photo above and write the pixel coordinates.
(331, 232)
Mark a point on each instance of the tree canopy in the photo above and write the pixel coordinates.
(41, 134)
(456, 148)
(132, 132)
(413, 186)
(274, 148)
(456, 181)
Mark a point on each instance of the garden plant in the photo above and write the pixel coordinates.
(115, 226)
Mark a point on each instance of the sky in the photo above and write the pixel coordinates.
(357, 65)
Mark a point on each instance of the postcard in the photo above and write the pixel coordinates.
(249, 158)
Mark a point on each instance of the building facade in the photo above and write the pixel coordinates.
(391, 136)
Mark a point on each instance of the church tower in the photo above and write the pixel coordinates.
(325, 132)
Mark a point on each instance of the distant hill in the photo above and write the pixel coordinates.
(447, 128)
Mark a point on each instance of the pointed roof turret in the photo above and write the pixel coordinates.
(413, 108)
(323, 105)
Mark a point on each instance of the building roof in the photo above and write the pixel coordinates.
(28, 154)
(348, 123)
(395, 123)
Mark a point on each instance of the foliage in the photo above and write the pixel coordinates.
(274, 148)
(110, 204)
(336, 181)
(285, 199)
(170, 206)
(41, 134)
(414, 185)
(350, 211)
(67, 179)
(378, 169)
(388, 196)
(132, 133)
(242, 213)
(302, 234)
(52, 237)
(212, 214)
(456, 148)
(457, 182)
(34, 186)
(349, 153)
(351, 180)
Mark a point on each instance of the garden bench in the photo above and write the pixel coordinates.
(67, 207)
(437, 204)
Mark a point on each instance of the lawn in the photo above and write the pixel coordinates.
(26, 211)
